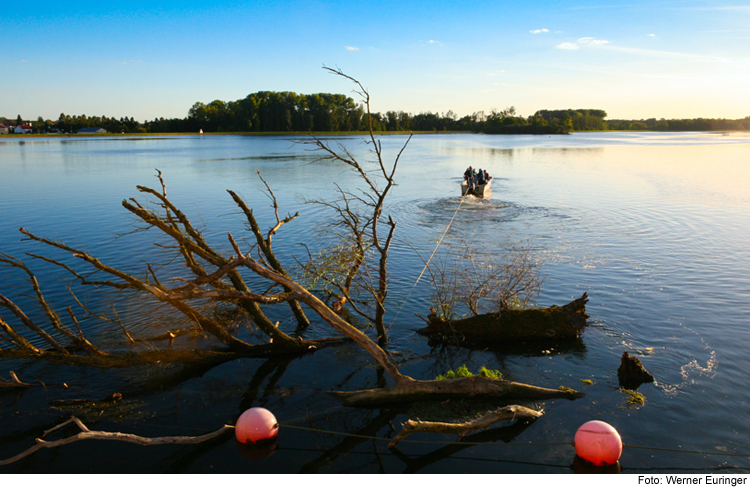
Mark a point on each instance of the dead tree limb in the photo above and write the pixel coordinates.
(468, 387)
(205, 323)
(18, 340)
(264, 243)
(113, 436)
(372, 201)
(512, 412)
(14, 382)
(193, 243)
(324, 312)
(116, 321)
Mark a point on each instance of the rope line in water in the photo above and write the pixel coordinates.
(477, 443)
(427, 264)
(467, 443)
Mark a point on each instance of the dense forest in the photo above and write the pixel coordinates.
(288, 112)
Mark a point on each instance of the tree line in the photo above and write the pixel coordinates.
(289, 112)
(676, 125)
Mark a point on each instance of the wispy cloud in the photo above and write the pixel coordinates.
(543, 30)
(351, 48)
(592, 41)
(728, 8)
(571, 46)
(716, 60)
(496, 72)
(651, 35)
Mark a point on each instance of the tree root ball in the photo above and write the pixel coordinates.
(255, 425)
(599, 443)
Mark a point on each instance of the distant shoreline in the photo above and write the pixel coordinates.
(241, 133)
(21, 137)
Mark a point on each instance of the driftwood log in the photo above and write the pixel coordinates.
(513, 412)
(410, 390)
(499, 328)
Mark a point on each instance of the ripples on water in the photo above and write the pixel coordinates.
(653, 226)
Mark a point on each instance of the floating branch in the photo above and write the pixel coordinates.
(113, 436)
(512, 412)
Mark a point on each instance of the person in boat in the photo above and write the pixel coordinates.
(480, 177)
(487, 176)
(467, 174)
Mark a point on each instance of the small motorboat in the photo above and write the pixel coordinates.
(482, 190)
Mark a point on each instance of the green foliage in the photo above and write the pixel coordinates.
(635, 398)
(576, 120)
(463, 371)
(269, 111)
(572, 392)
(485, 372)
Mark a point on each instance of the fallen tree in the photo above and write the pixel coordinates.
(216, 277)
(495, 329)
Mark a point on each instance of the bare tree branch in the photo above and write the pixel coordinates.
(512, 412)
(113, 436)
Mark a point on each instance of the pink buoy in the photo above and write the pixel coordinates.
(598, 442)
(256, 424)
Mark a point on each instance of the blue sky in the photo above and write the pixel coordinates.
(634, 59)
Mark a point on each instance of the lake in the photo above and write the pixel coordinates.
(654, 226)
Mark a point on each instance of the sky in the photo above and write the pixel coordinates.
(150, 59)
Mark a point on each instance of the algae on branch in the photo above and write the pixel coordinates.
(463, 371)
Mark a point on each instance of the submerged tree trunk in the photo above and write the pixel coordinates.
(408, 390)
(497, 328)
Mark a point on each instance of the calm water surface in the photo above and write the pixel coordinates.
(655, 227)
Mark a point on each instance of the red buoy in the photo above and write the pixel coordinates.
(598, 442)
(256, 424)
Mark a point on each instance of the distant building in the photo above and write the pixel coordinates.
(92, 130)
(4, 129)
(22, 129)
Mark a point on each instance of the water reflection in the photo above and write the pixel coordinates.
(417, 463)
(360, 436)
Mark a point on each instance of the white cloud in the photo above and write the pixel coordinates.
(543, 30)
(567, 46)
(350, 48)
(651, 35)
(716, 60)
(592, 41)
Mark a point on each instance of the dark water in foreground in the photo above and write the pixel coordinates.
(655, 227)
